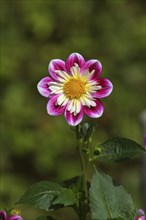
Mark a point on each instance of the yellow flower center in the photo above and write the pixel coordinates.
(15, 211)
(74, 88)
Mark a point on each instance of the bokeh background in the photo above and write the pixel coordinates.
(36, 146)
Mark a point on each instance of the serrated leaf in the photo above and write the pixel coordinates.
(107, 201)
(41, 195)
(47, 195)
(118, 149)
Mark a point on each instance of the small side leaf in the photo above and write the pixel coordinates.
(118, 149)
(66, 198)
(87, 130)
(74, 183)
(107, 201)
(47, 195)
(84, 128)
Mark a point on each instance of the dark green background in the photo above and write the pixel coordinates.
(36, 146)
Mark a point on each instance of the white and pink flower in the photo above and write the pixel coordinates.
(13, 215)
(141, 212)
(74, 88)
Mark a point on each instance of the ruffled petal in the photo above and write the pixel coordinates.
(106, 88)
(53, 108)
(55, 65)
(94, 67)
(96, 111)
(72, 59)
(73, 119)
(43, 86)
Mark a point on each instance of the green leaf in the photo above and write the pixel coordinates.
(109, 201)
(118, 149)
(66, 198)
(84, 129)
(41, 195)
(74, 183)
(87, 130)
(47, 195)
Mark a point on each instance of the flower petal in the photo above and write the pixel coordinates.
(15, 217)
(62, 100)
(74, 58)
(56, 88)
(94, 112)
(53, 108)
(94, 67)
(3, 215)
(106, 88)
(43, 86)
(55, 65)
(73, 119)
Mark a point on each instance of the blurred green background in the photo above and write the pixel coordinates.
(36, 146)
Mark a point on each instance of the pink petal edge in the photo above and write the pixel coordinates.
(72, 119)
(43, 87)
(56, 64)
(94, 112)
(106, 89)
(53, 108)
(93, 65)
(74, 58)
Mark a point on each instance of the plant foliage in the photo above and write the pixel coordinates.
(109, 201)
(118, 149)
(47, 195)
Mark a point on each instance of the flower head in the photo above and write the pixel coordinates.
(10, 215)
(141, 212)
(74, 88)
(14, 215)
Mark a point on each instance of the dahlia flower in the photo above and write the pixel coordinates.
(74, 88)
(14, 215)
(141, 217)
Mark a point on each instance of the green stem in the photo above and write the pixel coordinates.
(84, 190)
